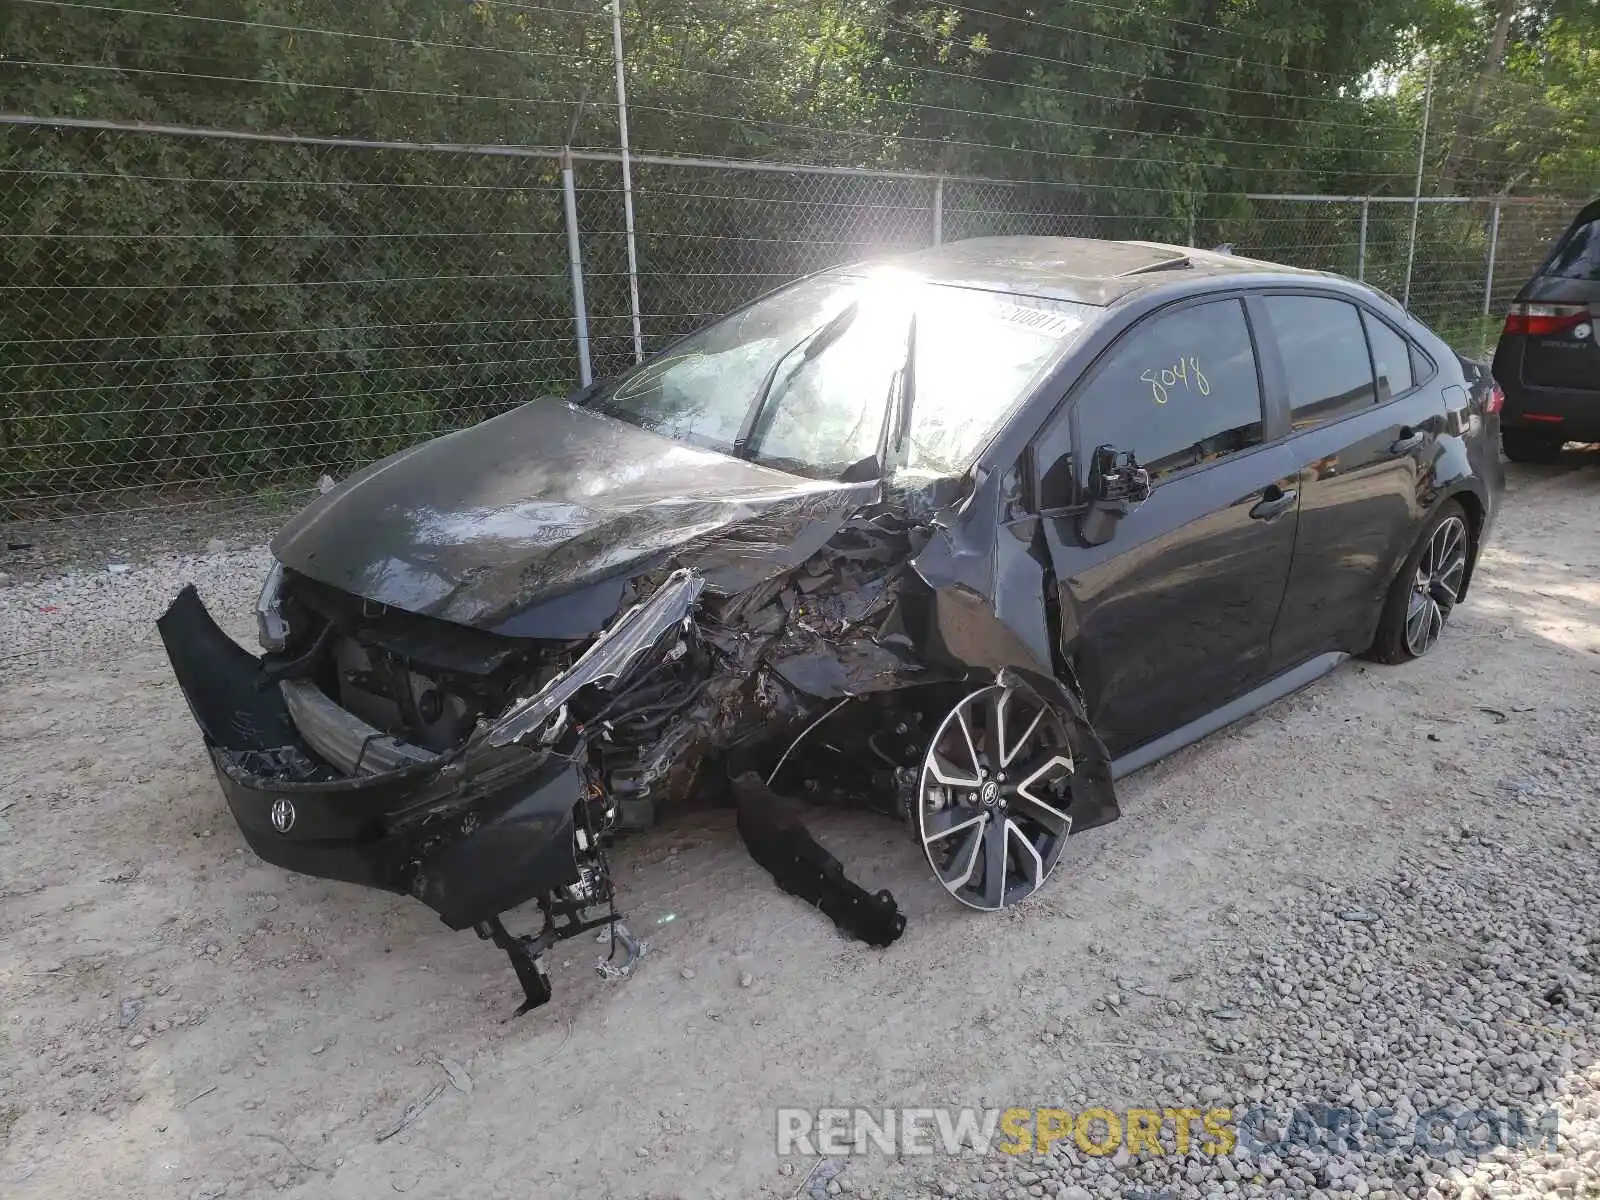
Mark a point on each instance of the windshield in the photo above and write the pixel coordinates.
(808, 379)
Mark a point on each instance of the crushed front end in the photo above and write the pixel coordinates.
(484, 801)
(478, 771)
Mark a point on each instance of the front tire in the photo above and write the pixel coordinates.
(1525, 446)
(1426, 590)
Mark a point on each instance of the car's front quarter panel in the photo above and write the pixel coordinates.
(988, 591)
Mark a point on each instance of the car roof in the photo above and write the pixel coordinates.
(1082, 270)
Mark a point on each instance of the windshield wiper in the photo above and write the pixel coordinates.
(813, 344)
(897, 413)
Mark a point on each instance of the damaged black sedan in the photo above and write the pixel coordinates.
(961, 536)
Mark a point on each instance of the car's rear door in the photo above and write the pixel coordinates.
(1172, 617)
(1364, 410)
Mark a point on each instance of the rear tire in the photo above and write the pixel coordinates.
(1423, 594)
(1525, 446)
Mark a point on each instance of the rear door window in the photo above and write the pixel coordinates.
(1391, 358)
(1324, 351)
(1178, 390)
(1578, 257)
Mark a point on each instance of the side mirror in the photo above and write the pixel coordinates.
(1116, 484)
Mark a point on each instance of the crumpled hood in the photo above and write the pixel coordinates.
(546, 501)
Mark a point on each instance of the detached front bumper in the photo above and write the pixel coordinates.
(471, 834)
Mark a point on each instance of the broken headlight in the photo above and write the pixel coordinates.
(272, 631)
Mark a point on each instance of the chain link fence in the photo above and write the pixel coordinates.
(1455, 262)
(711, 238)
(283, 308)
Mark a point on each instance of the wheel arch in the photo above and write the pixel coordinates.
(1476, 512)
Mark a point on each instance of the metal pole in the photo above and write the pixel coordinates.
(580, 314)
(1191, 225)
(1416, 205)
(627, 179)
(1494, 245)
(1361, 245)
(938, 211)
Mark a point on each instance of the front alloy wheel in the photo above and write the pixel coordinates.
(993, 797)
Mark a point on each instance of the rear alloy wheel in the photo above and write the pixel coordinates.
(1526, 446)
(994, 795)
(1422, 598)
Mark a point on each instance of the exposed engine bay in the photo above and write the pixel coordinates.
(796, 655)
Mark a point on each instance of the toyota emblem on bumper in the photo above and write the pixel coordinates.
(282, 815)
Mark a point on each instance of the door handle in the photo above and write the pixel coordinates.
(1274, 502)
(1410, 439)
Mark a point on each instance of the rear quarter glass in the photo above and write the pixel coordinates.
(1577, 255)
(1570, 273)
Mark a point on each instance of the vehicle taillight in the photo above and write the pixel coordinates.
(1494, 401)
(1543, 320)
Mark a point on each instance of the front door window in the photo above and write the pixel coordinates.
(1180, 390)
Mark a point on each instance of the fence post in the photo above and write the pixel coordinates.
(1361, 244)
(1416, 201)
(627, 178)
(1494, 245)
(938, 211)
(580, 314)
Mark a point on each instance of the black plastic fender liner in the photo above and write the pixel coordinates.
(778, 839)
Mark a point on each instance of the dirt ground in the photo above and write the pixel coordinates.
(180, 1019)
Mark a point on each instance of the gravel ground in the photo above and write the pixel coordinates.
(1378, 894)
(1462, 983)
(148, 532)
